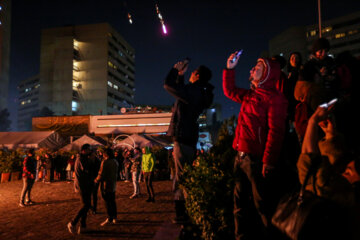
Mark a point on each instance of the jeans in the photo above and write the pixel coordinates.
(69, 175)
(26, 191)
(148, 176)
(94, 196)
(252, 198)
(183, 154)
(110, 205)
(135, 180)
(127, 174)
(85, 198)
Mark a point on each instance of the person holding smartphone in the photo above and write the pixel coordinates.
(191, 100)
(258, 138)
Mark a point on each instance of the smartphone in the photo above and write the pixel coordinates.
(237, 55)
(328, 104)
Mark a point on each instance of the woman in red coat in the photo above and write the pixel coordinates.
(258, 138)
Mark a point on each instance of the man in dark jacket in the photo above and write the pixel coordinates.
(84, 181)
(29, 171)
(191, 100)
(107, 176)
(258, 138)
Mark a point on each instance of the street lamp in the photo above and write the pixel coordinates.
(319, 14)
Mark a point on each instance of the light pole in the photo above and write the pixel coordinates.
(319, 14)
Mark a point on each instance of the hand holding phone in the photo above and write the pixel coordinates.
(238, 54)
(329, 104)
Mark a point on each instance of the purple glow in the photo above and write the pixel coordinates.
(164, 29)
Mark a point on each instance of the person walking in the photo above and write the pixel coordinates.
(107, 177)
(48, 168)
(28, 176)
(191, 100)
(97, 159)
(84, 182)
(258, 138)
(70, 167)
(127, 164)
(135, 172)
(147, 167)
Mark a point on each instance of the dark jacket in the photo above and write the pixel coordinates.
(328, 82)
(29, 167)
(261, 121)
(191, 100)
(84, 173)
(108, 174)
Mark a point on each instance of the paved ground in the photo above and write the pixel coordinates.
(57, 203)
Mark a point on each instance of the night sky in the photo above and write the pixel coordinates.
(207, 31)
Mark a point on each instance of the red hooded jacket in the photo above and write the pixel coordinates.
(261, 121)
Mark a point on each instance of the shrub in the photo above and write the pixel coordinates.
(209, 188)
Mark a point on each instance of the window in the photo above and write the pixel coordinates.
(110, 84)
(339, 35)
(326, 29)
(74, 106)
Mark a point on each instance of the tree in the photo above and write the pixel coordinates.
(5, 122)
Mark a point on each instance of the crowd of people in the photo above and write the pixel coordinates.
(289, 124)
(289, 121)
(91, 170)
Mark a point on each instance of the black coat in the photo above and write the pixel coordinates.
(191, 100)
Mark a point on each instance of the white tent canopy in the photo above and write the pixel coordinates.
(136, 140)
(76, 145)
(33, 139)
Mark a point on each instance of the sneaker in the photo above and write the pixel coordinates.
(71, 228)
(106, 222)
(21, 204)
(150, 199)
(81, 230)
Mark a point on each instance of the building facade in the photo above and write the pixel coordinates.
(5, 30)
(86, 69)
(28, 102)
(343, 34)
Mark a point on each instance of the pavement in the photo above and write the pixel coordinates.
(56, 204)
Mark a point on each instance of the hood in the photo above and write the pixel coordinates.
(271, 73)
(147, 150)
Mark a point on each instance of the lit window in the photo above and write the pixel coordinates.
(116, 87)
(351, 32)
(74, 106)
(23, 103)
(313, 33)
(339, 35)
(76, 44)
(110, 84)
(327, 29)
(110, 64)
